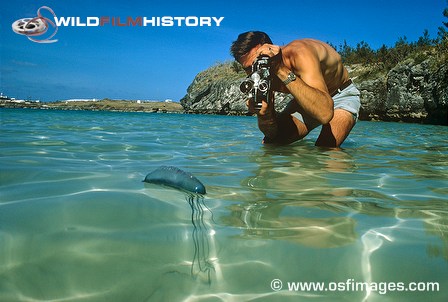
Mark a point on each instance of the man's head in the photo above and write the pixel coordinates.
(247, 41)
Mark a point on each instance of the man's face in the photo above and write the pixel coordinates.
(247, 59)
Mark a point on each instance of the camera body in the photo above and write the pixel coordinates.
(257, 85)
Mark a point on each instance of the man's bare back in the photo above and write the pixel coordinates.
(300, 51)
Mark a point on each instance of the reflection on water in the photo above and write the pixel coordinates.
(334, 181)
(266, 221)
(278, 212)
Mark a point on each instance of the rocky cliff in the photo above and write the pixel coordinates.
(415, 90)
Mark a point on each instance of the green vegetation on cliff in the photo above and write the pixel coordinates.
(382, 60)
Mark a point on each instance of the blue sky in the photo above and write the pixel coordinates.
(159, 63)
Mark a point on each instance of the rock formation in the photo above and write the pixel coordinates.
(415, 90)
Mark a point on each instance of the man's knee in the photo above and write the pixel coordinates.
(334, 133)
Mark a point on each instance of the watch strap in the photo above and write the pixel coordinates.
(291, 77)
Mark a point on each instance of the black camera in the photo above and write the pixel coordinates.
(257, 85)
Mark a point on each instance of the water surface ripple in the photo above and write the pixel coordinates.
(78, 224)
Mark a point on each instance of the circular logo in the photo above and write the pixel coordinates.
(276, 285)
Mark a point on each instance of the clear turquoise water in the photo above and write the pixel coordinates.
(78, 224)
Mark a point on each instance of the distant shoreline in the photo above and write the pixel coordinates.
(101, 105)
(112, 106)
(131, 106)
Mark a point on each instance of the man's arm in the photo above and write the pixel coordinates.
(309, 89)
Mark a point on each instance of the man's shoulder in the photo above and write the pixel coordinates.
(304, 43)
(307, 47)
(301, 48)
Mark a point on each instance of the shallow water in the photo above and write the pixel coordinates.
(78, 224)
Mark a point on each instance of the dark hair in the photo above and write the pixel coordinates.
(246, 41)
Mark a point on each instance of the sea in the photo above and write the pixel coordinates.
(366, 222)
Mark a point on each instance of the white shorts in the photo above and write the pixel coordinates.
(347, 99)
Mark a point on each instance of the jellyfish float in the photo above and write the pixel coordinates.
(202, 266)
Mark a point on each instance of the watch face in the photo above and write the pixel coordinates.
(291, 77)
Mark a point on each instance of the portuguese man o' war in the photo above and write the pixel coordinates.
(174, 177)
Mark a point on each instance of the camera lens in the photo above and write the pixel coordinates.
(263, 86)
(246, 86)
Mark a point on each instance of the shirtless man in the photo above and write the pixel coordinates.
(313, 73)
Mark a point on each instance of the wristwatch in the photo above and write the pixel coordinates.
(291, 77)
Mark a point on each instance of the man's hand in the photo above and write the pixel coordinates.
(267, 109)
(275, 53)
(251, 106)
